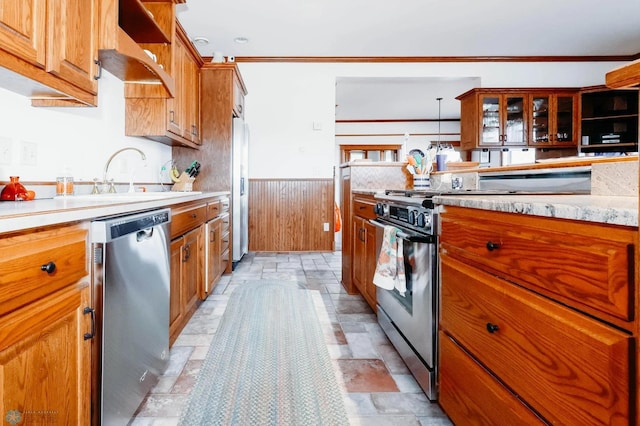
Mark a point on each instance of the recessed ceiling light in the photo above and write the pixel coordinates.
(201, 40)
(241, 40)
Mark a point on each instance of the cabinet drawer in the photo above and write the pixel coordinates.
(23, 258)
(588, 266)
(470, 395)
(225, 224)
(363, 207)
(224, 205)
(568, 367)
(213, 209)
(184, 219)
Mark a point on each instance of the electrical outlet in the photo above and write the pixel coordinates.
(326, 226)
(6, 151)
(28, 153)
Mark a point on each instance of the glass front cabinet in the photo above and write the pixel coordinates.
(553, 119)
(502, 119)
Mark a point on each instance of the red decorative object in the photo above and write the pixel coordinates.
(14, 190)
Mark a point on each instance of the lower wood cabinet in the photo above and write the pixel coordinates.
(513, 342)
(364, 249)
(46, 327)
(186, 279)
(198, 234)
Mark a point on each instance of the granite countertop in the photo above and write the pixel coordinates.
(20, 215)
(611, 210)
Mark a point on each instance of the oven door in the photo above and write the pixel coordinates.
(414, 314)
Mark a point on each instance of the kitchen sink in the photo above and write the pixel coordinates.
(130, 196)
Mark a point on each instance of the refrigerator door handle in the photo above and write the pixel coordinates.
(241, 186)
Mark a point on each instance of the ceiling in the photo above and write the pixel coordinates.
(411, 28)
(414, 27)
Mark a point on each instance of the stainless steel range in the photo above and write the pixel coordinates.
(411, 321)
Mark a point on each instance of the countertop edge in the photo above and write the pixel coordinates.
(25, 215)
(610, 210)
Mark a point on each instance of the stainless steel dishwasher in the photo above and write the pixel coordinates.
(131, 292)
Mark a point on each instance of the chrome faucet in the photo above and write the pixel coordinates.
(112, 188)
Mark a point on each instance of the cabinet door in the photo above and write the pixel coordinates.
(540, 119)
(22, 28)
(358, 250)
(175, 295)
(191, 98)
(213, 259)
(490, 127)
(564, 120)
(175, 106)
(191, 273)
(72, 42)
(45, 361)
(502, 119)
(513, 120)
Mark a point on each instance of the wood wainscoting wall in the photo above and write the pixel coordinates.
(289, 215)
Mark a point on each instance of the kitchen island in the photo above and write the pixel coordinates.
(539, 304)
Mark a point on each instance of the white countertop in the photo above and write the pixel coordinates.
(612, 210)
(19, 215)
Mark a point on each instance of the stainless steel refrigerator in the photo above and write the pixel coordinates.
(239, 190)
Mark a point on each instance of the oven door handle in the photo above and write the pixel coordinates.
(412, 238)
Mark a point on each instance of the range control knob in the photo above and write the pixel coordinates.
(412, 217)
(421, 220)
(378, 209)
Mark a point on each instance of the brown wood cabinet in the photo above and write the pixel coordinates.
(50, 47)
(45, 326)
(492, 118)
(127, 27)
(540, 311)
(553, 119)
(152, 113)
(518, 117)
(187, 273)
(364, 247)
(360, 176)
(221, 90)
(217, 243)
(199, 256)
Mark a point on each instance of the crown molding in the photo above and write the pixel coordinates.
(407, 59)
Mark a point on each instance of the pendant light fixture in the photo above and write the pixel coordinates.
(439, 105)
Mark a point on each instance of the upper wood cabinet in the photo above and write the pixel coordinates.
(492, 117)
(553, 119)
(50, 50)
(127, 29)
(518, 117)
(152, 113)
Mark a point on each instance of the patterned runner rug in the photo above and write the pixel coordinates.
(267, 364)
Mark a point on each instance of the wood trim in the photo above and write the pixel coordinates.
(624, 76)
(288, 215)
(394, 134)
(402, 59)
(400, 120)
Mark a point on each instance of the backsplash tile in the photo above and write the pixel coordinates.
(619, 178)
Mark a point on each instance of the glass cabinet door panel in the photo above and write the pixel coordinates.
(490, 120)
(514, 129)
(540, 119)
(564, 119)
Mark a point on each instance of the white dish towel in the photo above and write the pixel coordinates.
(390, 267)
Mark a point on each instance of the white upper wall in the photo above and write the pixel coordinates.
(285, 100)
(81, 138)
